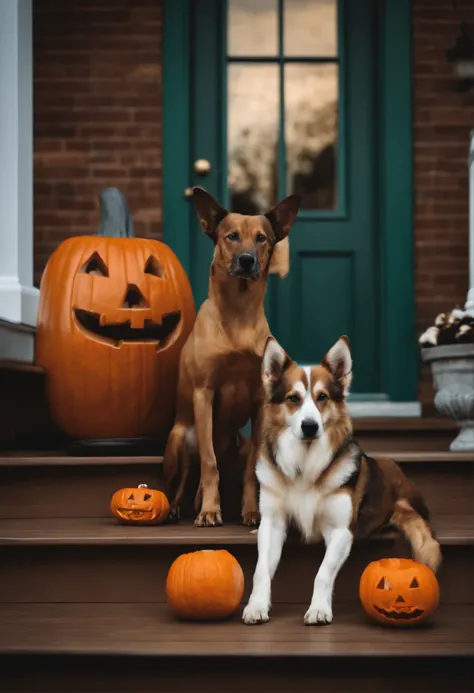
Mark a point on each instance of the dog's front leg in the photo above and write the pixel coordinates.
(250, 515)
(338, 546)
(271, 537)
(210, 515)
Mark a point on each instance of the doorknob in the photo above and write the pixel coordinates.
(202, 167)
(188, 192)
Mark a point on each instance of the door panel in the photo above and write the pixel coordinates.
(272, 122)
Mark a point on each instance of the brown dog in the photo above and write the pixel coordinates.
(219, 373)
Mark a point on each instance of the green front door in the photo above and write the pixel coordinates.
(282, 97)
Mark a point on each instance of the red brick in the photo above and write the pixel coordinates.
(442, 121)
(97, 64)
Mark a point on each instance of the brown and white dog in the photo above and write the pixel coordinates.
(313, 474)
(220, 366)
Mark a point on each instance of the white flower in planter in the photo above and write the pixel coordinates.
(456, 327)
(448, 346)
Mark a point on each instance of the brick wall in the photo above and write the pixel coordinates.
(97, 99)
(442, 122)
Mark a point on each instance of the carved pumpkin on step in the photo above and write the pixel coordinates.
(141, 505)
(399, 591)
(114, 314)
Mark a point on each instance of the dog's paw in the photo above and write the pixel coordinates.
(254, 614)
(318, 614)
(207, 519)
(251, 519)
(173, 516)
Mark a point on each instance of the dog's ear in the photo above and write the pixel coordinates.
(283, 215)
(338, 361)
(275, 362)
(209, 211)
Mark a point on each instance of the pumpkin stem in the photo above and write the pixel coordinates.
(115, 217)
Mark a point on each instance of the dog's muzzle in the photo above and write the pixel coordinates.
(245, 265)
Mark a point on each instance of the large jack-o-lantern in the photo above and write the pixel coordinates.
(114, 314)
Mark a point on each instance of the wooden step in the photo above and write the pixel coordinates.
(404, 434)
(152, 629)
(26, 422)
(79, 673)
(403, 424)
(65, 486)
(455, 530)
(98, 560)
(57, 458)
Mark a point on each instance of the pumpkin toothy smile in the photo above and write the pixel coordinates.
(133, 514)
(124, 332)
(400, 615)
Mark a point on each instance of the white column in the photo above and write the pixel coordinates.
(18, 297)
(470, 295)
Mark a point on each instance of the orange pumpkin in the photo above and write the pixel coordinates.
(142, 504)
(114, 315)
(399, 591)
(205, 585)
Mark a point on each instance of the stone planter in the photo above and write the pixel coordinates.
(452, 367)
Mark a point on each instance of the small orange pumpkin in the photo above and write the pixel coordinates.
(142, 504)
(114, 314)
(399, 591)
(205, 585)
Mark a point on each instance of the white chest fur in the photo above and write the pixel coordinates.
(296, 491)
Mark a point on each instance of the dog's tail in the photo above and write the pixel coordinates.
(415, 526)
(171, 460)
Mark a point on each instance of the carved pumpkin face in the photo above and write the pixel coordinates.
(120, 308)
(114, 315)
(399, 591)
(142, 504)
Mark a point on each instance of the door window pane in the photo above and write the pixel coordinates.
(252, 27)
(276, 148)
(252, 136)
(311, 120)
(310, 28)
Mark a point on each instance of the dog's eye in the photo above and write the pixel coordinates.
(261, 238)
(322, 397)
(294, 398)
(234, 236)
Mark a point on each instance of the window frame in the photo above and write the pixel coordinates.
(340, 211)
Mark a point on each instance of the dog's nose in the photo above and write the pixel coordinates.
(247, 261)
(309, 428)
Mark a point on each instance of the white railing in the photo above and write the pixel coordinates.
(470, 295)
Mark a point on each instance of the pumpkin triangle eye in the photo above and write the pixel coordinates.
(383, 584)
(153, 267)
(131, 497)
(147, 496)
(95, 266)
(414, 584)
